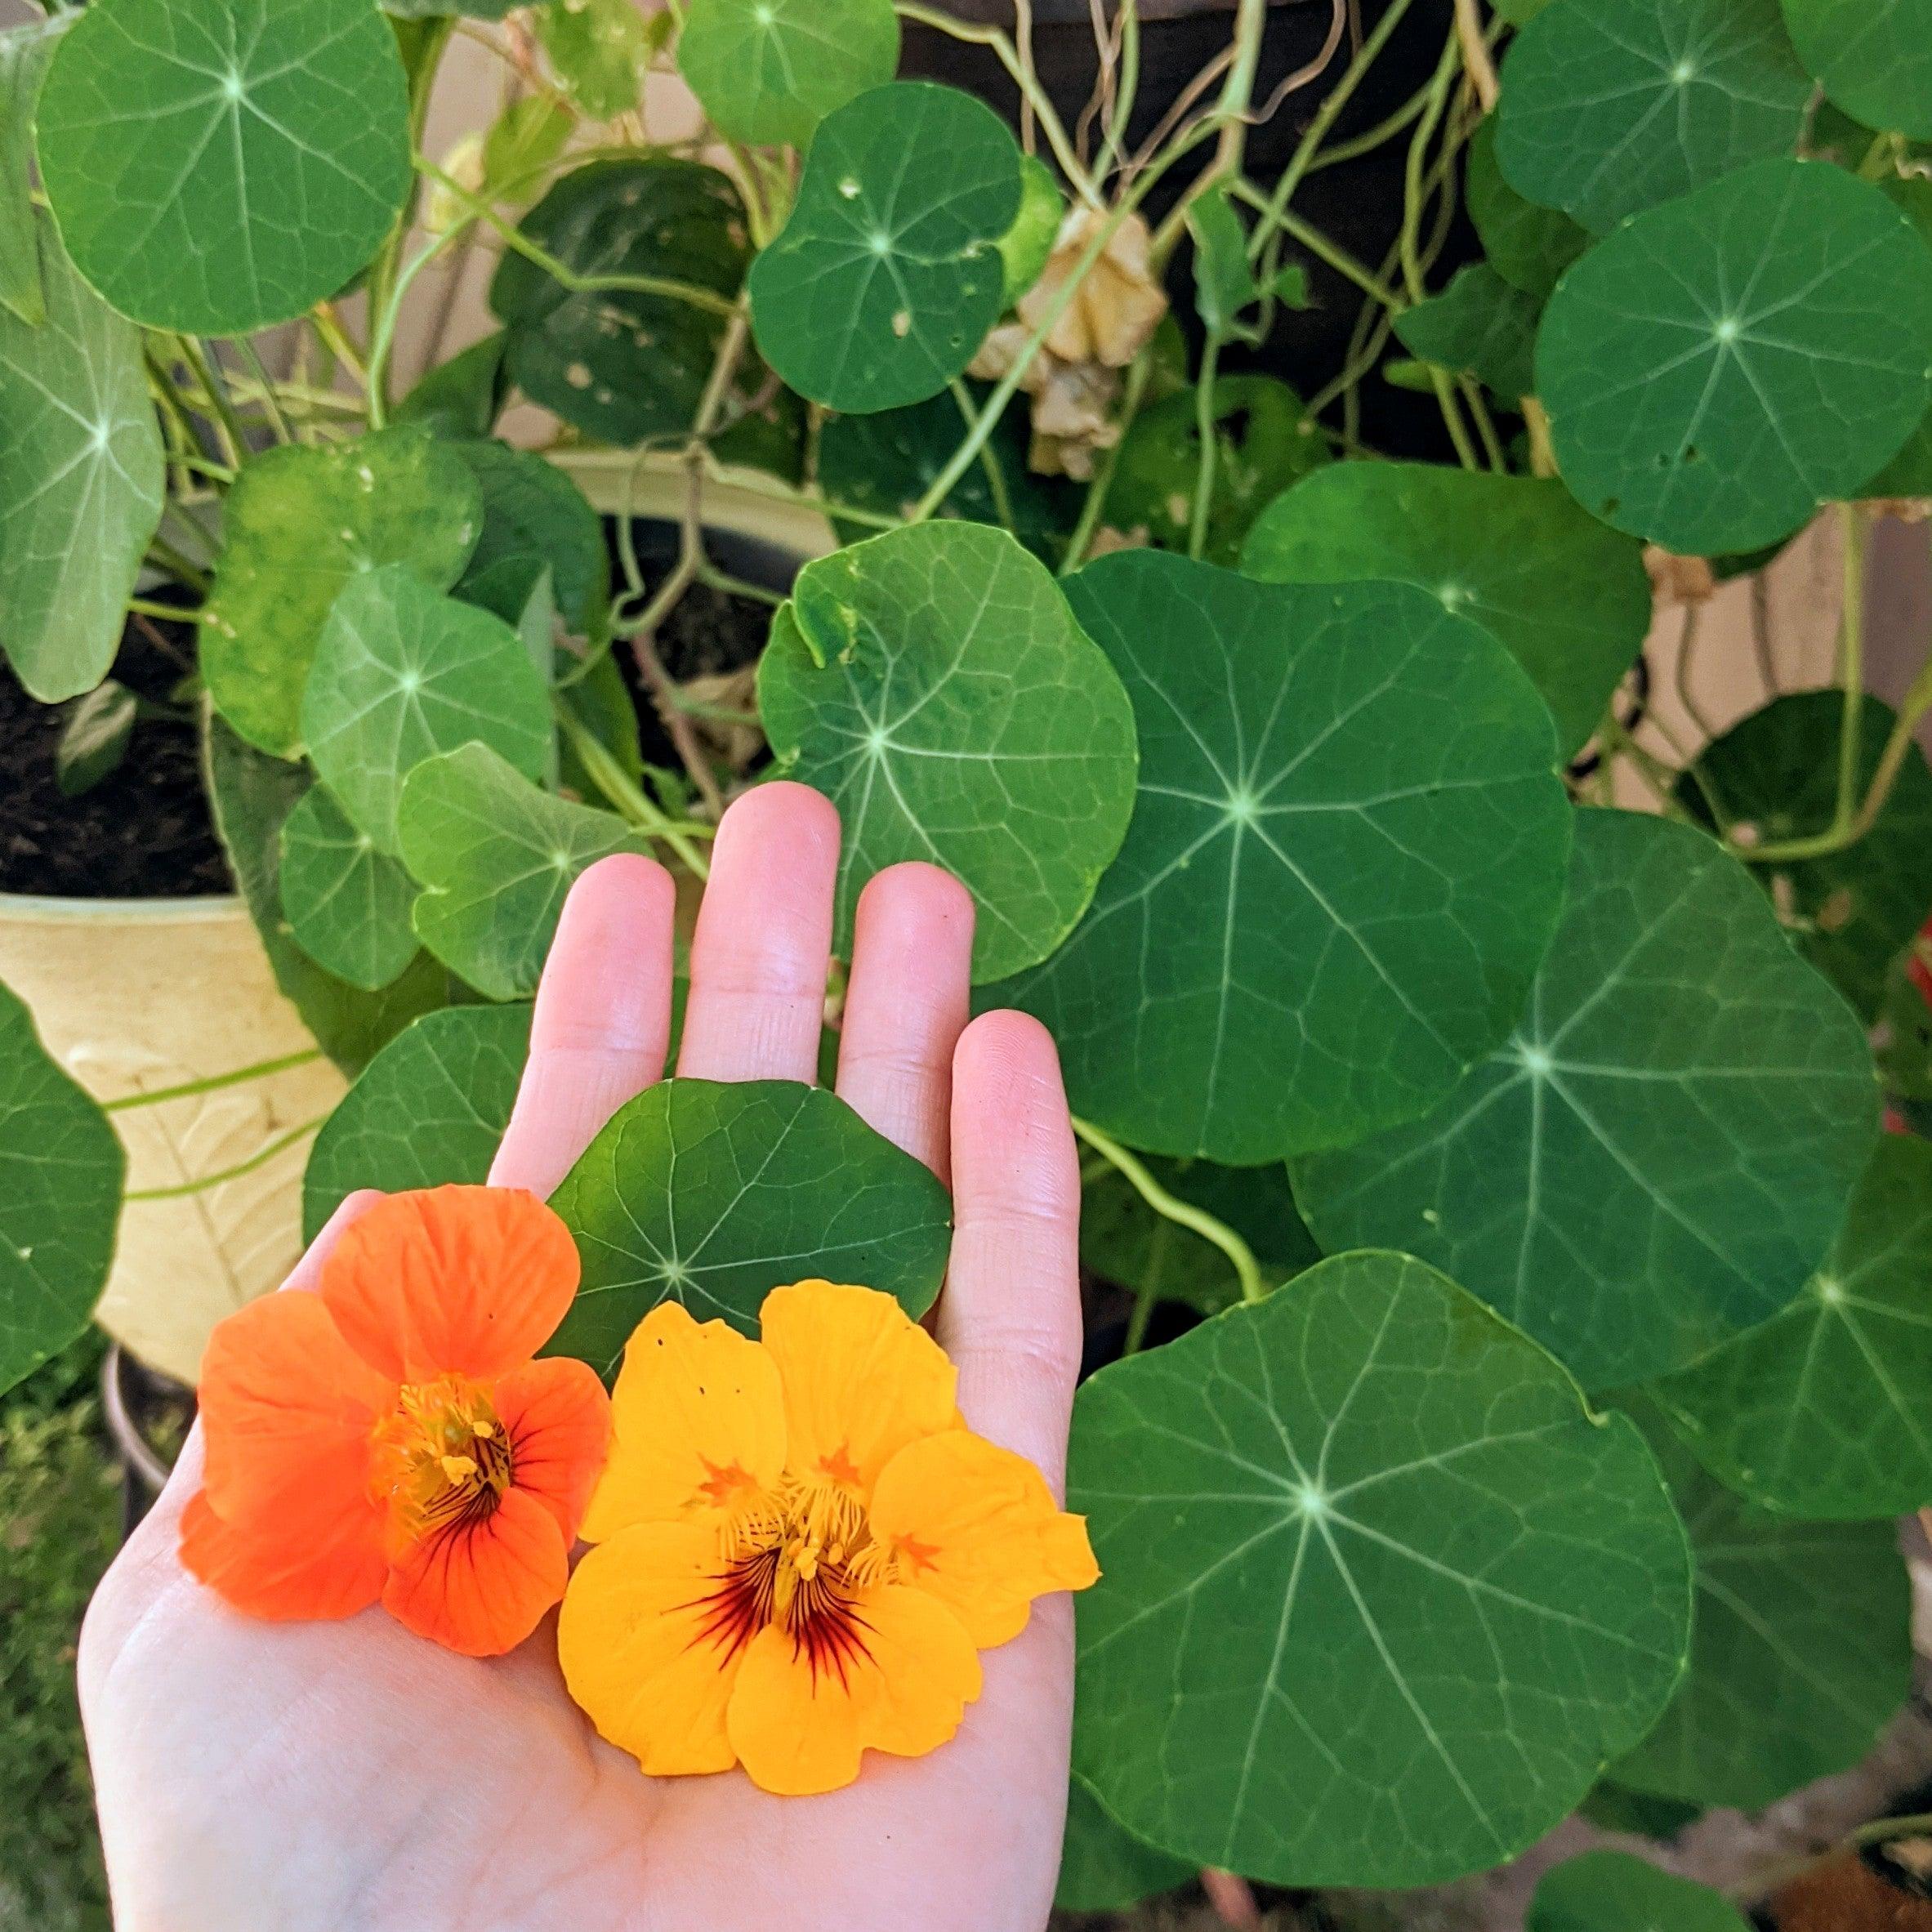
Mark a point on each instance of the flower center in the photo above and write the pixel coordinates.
(443, 1459)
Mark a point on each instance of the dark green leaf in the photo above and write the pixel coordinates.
(1346, 860)
(1610, 1891)
(713, 1194)
(1479, 326)
(1610, 1806)
(1379, 1595)
(1102, 1867)
(95, 738)
(768, 71)
(1909, 473)
(347, 903)
(1663, 1153)
(23, 55)
(463, 396)
(535, 518)
(1872, 57)
(1529, 247)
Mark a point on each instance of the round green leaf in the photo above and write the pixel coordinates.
(1569, 599)
(1775, 777)
(402, 673)
(1528, 246)
(888, 275)
(24, 51)
(495, 856)
(1721, 366)
(463, 396)
(712, 1194)
(347, 903)
(1872, 57)
(1610, 106)
(1662, 1152)
(934, 683)
(1610, 1891)
(1479, 326)
(534, 518)
(80, 480)
(1102, 1867)
(1825, 1410)
(768, 71)
(60, 1173)
(218, 165)
(1800, 1652)
(1345, 860)
(301, 521)
(430, 1108)
(1379, 1596)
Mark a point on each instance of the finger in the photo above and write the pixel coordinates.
(907, 1004)
(1009, 1317)
(764, 940)
(602, 1022)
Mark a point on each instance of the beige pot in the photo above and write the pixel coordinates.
(130, 996)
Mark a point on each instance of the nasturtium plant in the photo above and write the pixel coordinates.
(1873, 58)
(534, 519)
(347, 901)
(23, 55)
(1528, 246)
(770, 70)
(1104, 1868)
(1610, 1891)
(1480, 326)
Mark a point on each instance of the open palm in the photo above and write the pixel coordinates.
(342, 1776)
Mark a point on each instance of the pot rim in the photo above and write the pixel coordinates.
(45, 909)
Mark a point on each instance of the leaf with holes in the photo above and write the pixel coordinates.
(535, 518)
(60, 1173)
(887, 276)
(218, 165)
(1568, 599)
(430, 1108)
(713, 1193)
(934, 685)
(1662, 1152)
(1102, 1867)
(1610, 1891)
(1300, 1510)
(1479, 326)
(495, 856)
(402, 673)
(1528, 246)
(301, 521)
(1825, 1410)
(1612, 106)
(1799, 1655)
(347, 903)
(1873, 58)
(768, 71)
(1721, 366)
(1776, 775)
(1345, 860)
(80, 481)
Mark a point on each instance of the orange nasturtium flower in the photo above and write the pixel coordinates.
(801, 1548)
(390, 1439)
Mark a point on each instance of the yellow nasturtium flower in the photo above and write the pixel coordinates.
(801, 1548)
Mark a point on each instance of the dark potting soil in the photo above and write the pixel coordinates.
(143, 832)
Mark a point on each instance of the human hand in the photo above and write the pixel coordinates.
(339, 1776)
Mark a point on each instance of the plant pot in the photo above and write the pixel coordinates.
(131, 996)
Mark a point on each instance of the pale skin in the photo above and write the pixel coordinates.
(350, 1778)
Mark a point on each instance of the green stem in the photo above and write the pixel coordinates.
(260, 1157)
(382, 337)
(168, 613)
(1095, 504)
(989, 466)
(213, 1082)
(271, 400)
(632, 803)
(171, 560)
(1204, 428)
(1337, 258)
(235, 441)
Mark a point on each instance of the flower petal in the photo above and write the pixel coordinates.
(632, 1640)
(976, 1526)
(557, 1418)
(286, 1411)
(481, 1588)
(281, 1567)
(463, 1281)
(699, 1423)
(798, 1731)
(862, 1379)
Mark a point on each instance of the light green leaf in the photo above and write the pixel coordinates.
(23, 55)
(1529, 247)
(94, 741)
(523, 141)
(1102, 1867)
(1346, 860)
(1721, 366)
(768, 72)
(597, 49)
(218, 165)
(495, 856)
(888, 275)
(430, 1108)
(301, 521)
(1612, 106)
(1610, 1891)
(713, 1194)
(1774, 777)
(402, 673)
(252, 796)
(1568, 599)
(1479, 326)
(1799, 1655)
(1027, 247)
(933, 683)
(1518, 12)
(1825, 1410)
(347, 903)
(60, 1173)
(80, 481)
(1379, 1596)
(1662, 1152)
(1872, 57)
(426, 10)
(534, 519)
(1224, 283)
